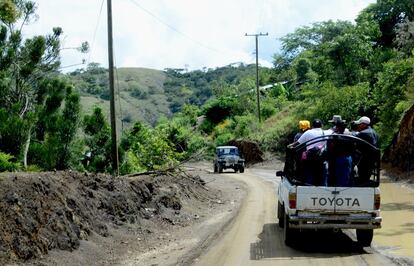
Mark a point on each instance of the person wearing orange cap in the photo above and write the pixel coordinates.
(303, 126)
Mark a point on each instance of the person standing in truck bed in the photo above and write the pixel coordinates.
(339, 158)
(366, 132)
(303, 126)
(366, 164)
(313, 167)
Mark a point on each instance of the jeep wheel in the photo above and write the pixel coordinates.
(215, 168)
(364, 236)
(220, 169)
(241, 169)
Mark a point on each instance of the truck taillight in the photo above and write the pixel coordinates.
(377, 201)
(292, 200)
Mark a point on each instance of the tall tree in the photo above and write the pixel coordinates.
(23, 63)
(387, 14)
(404, 39)
(58, 115)
(26, 65)
(98, 141)
(335, 51)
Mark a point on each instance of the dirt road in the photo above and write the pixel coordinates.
(254, 237)
(232, 221)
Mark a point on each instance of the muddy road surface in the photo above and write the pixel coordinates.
(254, 238)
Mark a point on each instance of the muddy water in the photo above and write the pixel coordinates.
(396, 236)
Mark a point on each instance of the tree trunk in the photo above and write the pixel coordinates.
(26, 147)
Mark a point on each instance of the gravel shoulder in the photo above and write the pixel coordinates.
(190, 242)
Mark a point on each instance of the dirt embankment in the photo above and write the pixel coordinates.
(250, 150)
(399, 156)
(46, 211)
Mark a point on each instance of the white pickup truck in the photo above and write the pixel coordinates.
(334, 188)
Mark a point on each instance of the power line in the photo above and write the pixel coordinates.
(68, 66)
(94, 33)
(176, 30)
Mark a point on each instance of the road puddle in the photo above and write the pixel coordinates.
(396, 236)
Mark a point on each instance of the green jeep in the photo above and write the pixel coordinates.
(228, 157)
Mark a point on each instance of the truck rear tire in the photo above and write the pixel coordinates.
(241, 169)
(280, 214)
(288, 233)
(364, 236)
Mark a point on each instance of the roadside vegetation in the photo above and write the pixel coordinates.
(50, 120)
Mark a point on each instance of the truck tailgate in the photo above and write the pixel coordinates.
(311, 198)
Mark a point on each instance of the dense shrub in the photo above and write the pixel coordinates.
(394, 94)
(149, 149)
(219, 109)
(349, 102)
(7, 163)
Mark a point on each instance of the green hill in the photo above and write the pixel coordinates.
(146, 94)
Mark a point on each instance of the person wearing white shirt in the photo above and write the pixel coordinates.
(314, 132)
(314, 168)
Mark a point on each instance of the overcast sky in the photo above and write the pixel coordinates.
(183, 33)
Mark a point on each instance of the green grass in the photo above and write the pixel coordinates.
(132, 108)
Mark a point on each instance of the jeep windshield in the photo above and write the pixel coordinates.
(227, 151)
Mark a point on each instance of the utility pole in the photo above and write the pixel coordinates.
(111, 92)
(257, 35)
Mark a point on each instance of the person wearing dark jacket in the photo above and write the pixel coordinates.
(340, 158)
(366, 163)
(366, 132)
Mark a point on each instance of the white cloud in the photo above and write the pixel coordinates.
(200, 33)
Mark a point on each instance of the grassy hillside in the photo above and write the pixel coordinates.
(147, 94)
(139, 93)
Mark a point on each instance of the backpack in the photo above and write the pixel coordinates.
(316, 152)
(313, 153)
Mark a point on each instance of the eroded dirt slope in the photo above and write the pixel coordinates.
(400, 153)
(56, 211)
